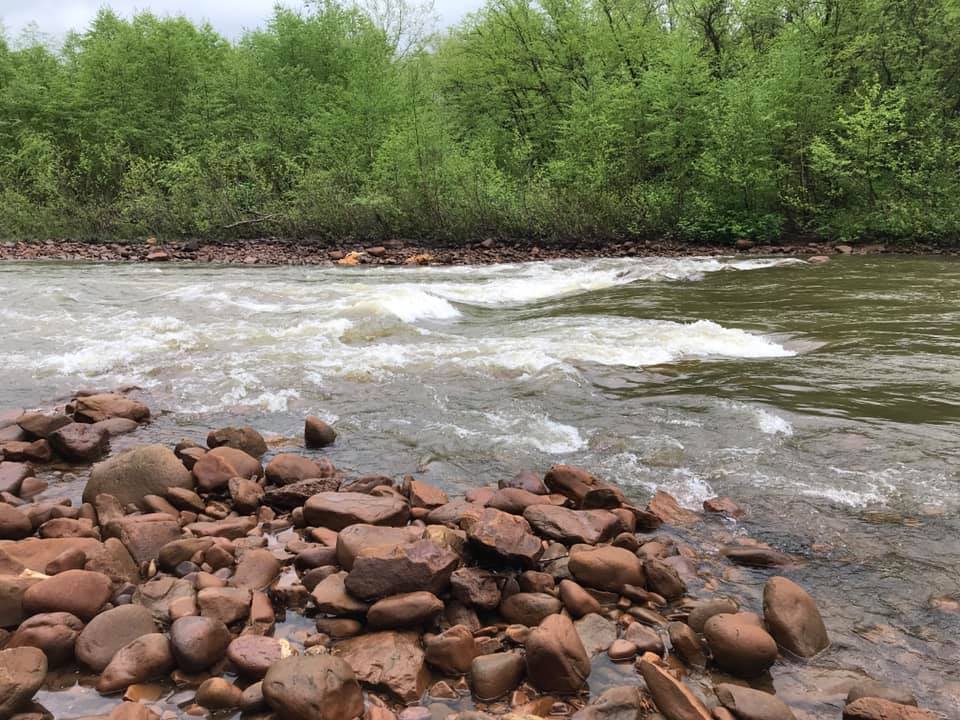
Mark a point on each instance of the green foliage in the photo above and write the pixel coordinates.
(711, 120)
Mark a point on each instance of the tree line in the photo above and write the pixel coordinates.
(707, 120)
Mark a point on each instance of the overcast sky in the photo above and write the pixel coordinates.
(230, 17)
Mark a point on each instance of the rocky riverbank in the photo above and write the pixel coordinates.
(271, 251)
(168, 587)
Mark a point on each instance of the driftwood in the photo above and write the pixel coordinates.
(251, 221)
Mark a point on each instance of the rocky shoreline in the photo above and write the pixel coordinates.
(168, 586)
(272, 251)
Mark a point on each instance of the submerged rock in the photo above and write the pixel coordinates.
(793, 617)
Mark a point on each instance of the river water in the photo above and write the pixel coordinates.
(825, 399)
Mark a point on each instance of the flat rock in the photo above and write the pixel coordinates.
(381, 571)
(405, 610)
(144, 535)
(294, 495)
(96, 408)
(79, 442)
(287, 468)
(353, 540)
(388, 660)
(330, 596)
(870, 708)
(749, 704)
(529, 609)
(505, 536)
(572, 526)
(253, 655)
(337, 510)
(228, 605)
(668, 510)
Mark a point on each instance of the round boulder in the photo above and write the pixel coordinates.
(198, 642)
(136, 473)
(313, 687)
(739, 646)
(793, 617)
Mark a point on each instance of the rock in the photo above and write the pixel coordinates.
(111, 630)
(214, 470)
(596, 633)
(668, 510)
(218, 694)
(337, 510)
(381, 571)
(663, 579)
(871, 708)
(12, 589)
(240, 438)
(388, 660)
(95, 408)
(406, 610)
(793, 617)
(53, 633)
(506, 536)
(645, 638)
(146, 657)
(452, 651)
(313, 687)
(556, 659)
(425, 495)
(622, 650)
(755, 556)
(749, 704)
(35, 452)
(616, 703)
(245, 494)
(723, 506)
(185, 499)
(455, 514)
(12, 475)
(116, 426)
(687, 646)
(78, 592)
(132, 710)
(572, 526)
(706, 609)
(178, 551)
(673, 699)
(253, 655)
(256, 570)
(576, 600)
(198, 642)
(582, 488)
(493, 676)
(135, 473)
(476, 587)
(739, 647)
(228, 605)
(39, 425)
(232, 528)
(286, 468)
(14, 525)
(294, 495)
(331, 596)
(317, 433)
(158, 594)
(79, 442)
(607, 568)
(529, 609)
(513, 500)
(528, 480)
(353, 540)
(22, 672)
(145, 535)
(873, 689)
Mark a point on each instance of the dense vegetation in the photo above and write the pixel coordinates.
(700, 119)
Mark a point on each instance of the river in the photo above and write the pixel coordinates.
(824, 399)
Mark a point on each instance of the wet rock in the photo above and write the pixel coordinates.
(53, 633)
(596, 633)
(528, 480)
(353, 540)
(111, 630)
(870, 708)
(228, 605)
(793, 617)
(455, 514)
(331, 596)
(645, 638)
(135, 473)
(12, 475)
(256, 569)
(14, 525)
(452, 651)
(40, 425)
(132, 711)
(72, 559)
(425, 495)
(533, 581)
(231, 528)
(576, 600)
(622, 651)
(12, 589)
(406, 610)
(253, 655)
(529, 609)
(146, 657)
(178, 551)
(22, 672)
(317, 433)
(338, 510)
(78, 592)
(287, 468)
(145, 535)
(555, 657)
(755, 556)
(739, 646)
(493, 676)
(116, 426)
(723, 506)
(687, 645)
(669, 511)
(313, 687)
(749, 704)
(506, 536)
(516, 501)
(34, 452)
(585, 490)
(475, 586)
(294, 495)
(339, 628)
(607, 568)
(245, 494)
(673, 699)
(616, 703)
(214, 470)
(873, 689)
(218, 694)
(572, 526)
(113, 560)
(79, 442)
(184, 499)
(381, 571)
(198, 642)
(240, 438)
(706, 609)
(96, 408)
(388, 660)
(663, 579)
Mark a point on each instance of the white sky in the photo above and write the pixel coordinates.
(56, 17)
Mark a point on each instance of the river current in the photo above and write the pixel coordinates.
(824, 399)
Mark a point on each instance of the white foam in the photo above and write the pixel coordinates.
(772, 424)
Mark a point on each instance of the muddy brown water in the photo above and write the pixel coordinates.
(825, 399)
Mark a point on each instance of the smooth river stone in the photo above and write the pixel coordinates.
(111, 630)
(337, 510)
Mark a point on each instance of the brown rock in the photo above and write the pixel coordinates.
(556, 659)
(515, 501)
(232, 528)
(54, 633)
(72, 559)
(22, 672)
(686, 644)
(645, 638)
(493, 676)
(529, 609)
(294, 495)
(214, 470)
(78, 592)
(873, 689)
(331, 596)
(245, 494)
(95, 408)
(256, 570)
(616, 703)
(723, 506)
(218, 694)
(475, 586)
(198, 642)
(240, 438)
(111, 630)
(663, 579)
(576, 600)
(158, 594)
(35, 452)
(528, 480)
(113, 560)
(452, 651)
(585, 490)
(14, 525)
(381, 571)
(673, 699)
(506, 536)
(116, 426)
(317, 433)
(871, 708)
(456, 514)
(706, 609)
(135, 473)
(622, 650)
(596, 632)
(79, 442)
(286, 468)
(388, 660)
(40, 425)
(146, 657)
(178, 551)
(313, 687)
(12, 588)
(406, 610)
(572, 526)
(12, 476)
(425, 495)
(228, 605)
(755, 556)
(145, 535)
(253, 655)
(739, 646)
(607, 568)
(793, 617)
(353, 540)
(337, 510)
(748, 704)
(666, 507)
